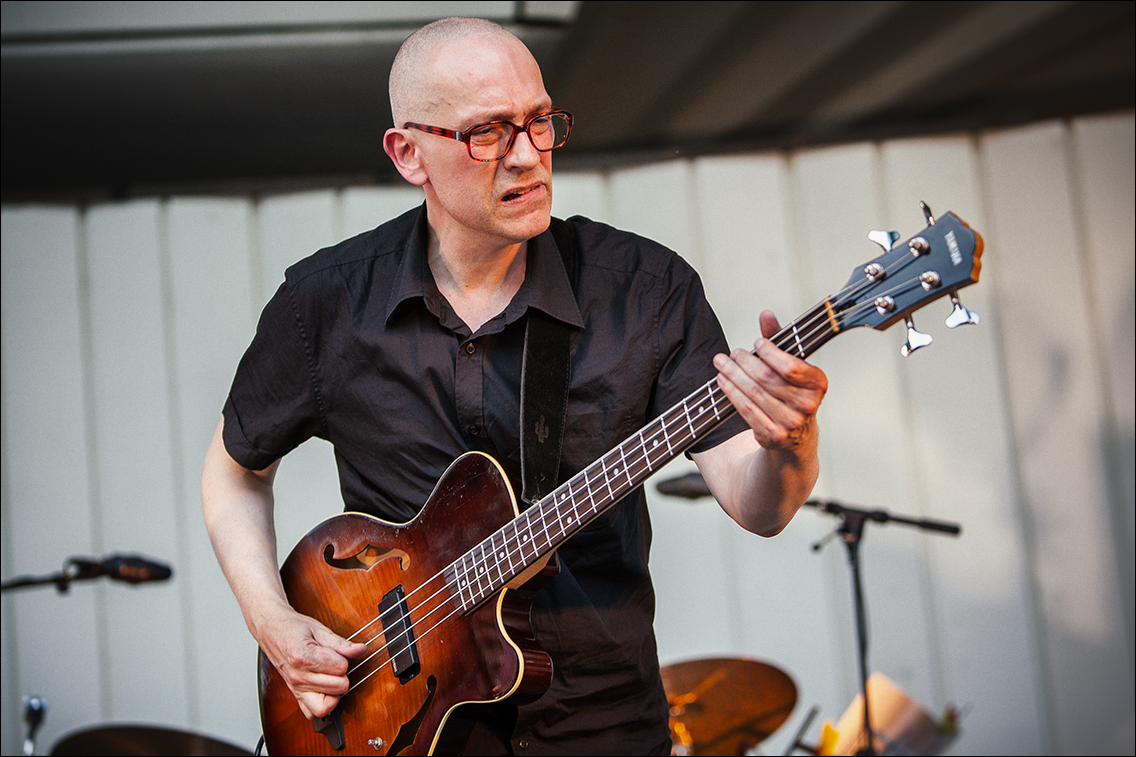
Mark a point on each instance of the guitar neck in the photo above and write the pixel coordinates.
(493, 563)
(944, 257)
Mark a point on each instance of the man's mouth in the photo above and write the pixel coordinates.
(519, 192)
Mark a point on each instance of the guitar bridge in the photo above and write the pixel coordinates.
(399, 634)
(331, 727)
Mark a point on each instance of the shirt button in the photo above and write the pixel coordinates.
(523, 743)
(474, 430)
(470, 349)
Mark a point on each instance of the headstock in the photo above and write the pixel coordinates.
(936, 262)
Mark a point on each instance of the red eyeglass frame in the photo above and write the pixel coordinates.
(464, 136)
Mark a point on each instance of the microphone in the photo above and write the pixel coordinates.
(133, 569)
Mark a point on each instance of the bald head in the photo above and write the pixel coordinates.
(414, 82)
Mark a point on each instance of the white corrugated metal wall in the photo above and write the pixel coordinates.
(123, 323)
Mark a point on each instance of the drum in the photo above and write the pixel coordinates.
(725, 705)
(142, 740)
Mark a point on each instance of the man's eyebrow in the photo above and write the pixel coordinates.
(503, 116)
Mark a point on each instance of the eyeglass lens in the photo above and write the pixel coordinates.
(492, 141)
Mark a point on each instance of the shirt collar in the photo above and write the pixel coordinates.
(413, 278)
(546, 286)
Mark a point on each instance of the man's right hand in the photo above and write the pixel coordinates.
(237, 505)
(311, 659)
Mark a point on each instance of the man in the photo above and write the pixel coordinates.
(403, 347)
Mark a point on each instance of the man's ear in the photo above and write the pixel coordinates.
(404, 154)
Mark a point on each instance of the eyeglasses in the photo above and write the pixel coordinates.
(492, 141)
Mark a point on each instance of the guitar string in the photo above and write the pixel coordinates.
(817, 320)
(604, 479)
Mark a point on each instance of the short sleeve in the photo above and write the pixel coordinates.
(273, 404)
(689, 337)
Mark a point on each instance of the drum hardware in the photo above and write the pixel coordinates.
(35, 709)
(797, 743)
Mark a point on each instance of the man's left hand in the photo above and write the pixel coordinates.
(776, 393)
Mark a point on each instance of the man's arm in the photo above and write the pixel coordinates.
(762, 477)
(237, 504)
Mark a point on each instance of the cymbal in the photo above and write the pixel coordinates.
(143, 740)
(726, 705)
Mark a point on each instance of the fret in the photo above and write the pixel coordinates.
(482, 572)
(471, 579)
(667, 439)
(648, 462)
(462, 582)
(626, 467)
(501, 556)
(555, 526)
(686, 416)
(464, 588)
(607, 474)
(525, 541)
(797, 337)
(643, 448)
(511, 547)
(449, 576)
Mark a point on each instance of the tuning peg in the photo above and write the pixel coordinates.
(915, 339)
(885, 239)
(927, 213)
(960, 316)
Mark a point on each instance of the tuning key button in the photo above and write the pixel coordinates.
(960, 316)
(930, 280)
(885, 305)
(915, 339)
(885, 239)
(919, 246)
(927, 213)
(875, 272)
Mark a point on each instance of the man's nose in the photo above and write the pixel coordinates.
(523, 153)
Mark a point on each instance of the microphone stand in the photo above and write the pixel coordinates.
(74, 570)
(131, 569)
(851, 529)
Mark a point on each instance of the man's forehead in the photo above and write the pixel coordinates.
(484, 80)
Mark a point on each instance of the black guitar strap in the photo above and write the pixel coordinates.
(546, 370)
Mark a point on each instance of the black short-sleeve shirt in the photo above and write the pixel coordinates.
(359, 347)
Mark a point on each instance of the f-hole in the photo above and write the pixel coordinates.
(409, 730)
(366, 558)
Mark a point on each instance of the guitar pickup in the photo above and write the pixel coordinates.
(399, 634)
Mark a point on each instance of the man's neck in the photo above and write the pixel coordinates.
(478, 281)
